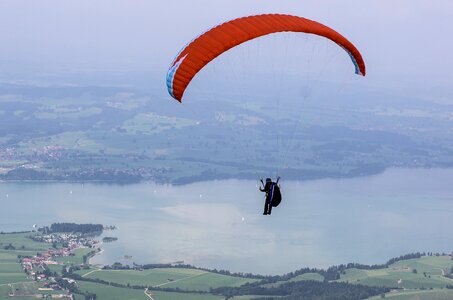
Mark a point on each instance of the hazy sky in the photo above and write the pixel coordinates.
(405, 42)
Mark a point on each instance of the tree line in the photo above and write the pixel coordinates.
(329, 274)
(306, 289)
(73, 227)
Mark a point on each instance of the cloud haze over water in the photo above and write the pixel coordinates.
(403, 42)
(319, 223)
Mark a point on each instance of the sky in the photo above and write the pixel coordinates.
(405, 43)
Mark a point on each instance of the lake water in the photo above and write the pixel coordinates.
(219, 224)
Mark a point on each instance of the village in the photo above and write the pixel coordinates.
(41, 267)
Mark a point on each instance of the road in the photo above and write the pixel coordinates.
(86, 274)
(170, 282)
(146, 293)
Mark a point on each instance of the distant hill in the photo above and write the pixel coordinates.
(101, 133)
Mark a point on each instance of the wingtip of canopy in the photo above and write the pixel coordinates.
(361, 72)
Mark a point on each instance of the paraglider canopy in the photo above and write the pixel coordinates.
(206, 47)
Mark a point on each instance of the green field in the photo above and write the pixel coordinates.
(6, 278)
(20, 241)
(105, 292)
(421, 278)
(391, 278)
(183, 296)
(151, 123)
(84, 271)
(185, 279)
(11, 272)
(306, 276)
(100, 127)
(150, 278)
(8, 256)
(10, 268)
(69, 139)
(206, 281)
(65, 113)
(432, 265)
(24, 290)
(77, 259)
(427, 283)
(401, 274)
(4, 291)
(248, 297)
(444, 294)
(55, 268)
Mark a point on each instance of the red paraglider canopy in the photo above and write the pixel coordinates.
(223, 37)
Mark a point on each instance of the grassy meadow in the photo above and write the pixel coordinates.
(421, 273)
(184, 279)
(421, 278)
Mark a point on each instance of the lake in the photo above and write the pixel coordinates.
(219, 224)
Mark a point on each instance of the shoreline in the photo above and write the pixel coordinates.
(186, 181)
(93, 255)
(367, 266)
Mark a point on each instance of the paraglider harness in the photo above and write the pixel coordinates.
(274, 195)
